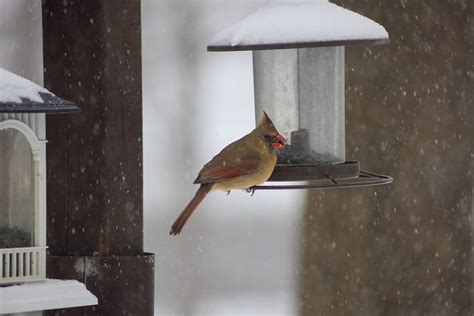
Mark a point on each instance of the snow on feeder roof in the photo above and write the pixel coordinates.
(299, 24)
(20, 95)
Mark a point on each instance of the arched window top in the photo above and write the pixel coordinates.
(34, 142)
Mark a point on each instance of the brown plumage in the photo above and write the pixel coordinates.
(247, 162)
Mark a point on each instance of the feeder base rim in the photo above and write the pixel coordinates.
(365, 179)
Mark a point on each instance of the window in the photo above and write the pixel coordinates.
(16, 190)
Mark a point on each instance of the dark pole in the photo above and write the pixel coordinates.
(92, 56)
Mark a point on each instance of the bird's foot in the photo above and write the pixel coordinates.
(228, 192)
(251, 191)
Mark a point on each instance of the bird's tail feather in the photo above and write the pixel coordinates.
(190, 208)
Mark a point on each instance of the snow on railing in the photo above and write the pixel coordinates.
(22, 264)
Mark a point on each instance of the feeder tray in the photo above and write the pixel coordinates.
(308, 172)
(364, 179)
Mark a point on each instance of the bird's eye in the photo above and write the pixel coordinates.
(269, 137)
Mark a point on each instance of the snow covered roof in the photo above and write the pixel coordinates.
(20, 95)
(297, 24)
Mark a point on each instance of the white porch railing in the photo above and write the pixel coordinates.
(22, 264)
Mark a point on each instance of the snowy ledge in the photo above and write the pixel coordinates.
(44, 295)
(299, 24)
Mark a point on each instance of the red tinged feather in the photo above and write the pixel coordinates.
(232, 162)
(225, 169)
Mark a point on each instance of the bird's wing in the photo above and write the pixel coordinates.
(232, 162)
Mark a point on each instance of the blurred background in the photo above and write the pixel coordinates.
(402, 249)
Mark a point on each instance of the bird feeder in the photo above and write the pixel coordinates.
(298, 69)
(23, 105)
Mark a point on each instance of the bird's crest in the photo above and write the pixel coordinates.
(267, 123)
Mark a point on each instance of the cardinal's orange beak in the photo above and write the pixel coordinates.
(278, 142)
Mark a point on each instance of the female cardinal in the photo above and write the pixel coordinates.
(241, 165)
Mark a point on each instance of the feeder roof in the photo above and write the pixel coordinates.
(299, 24)
(20, 95)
